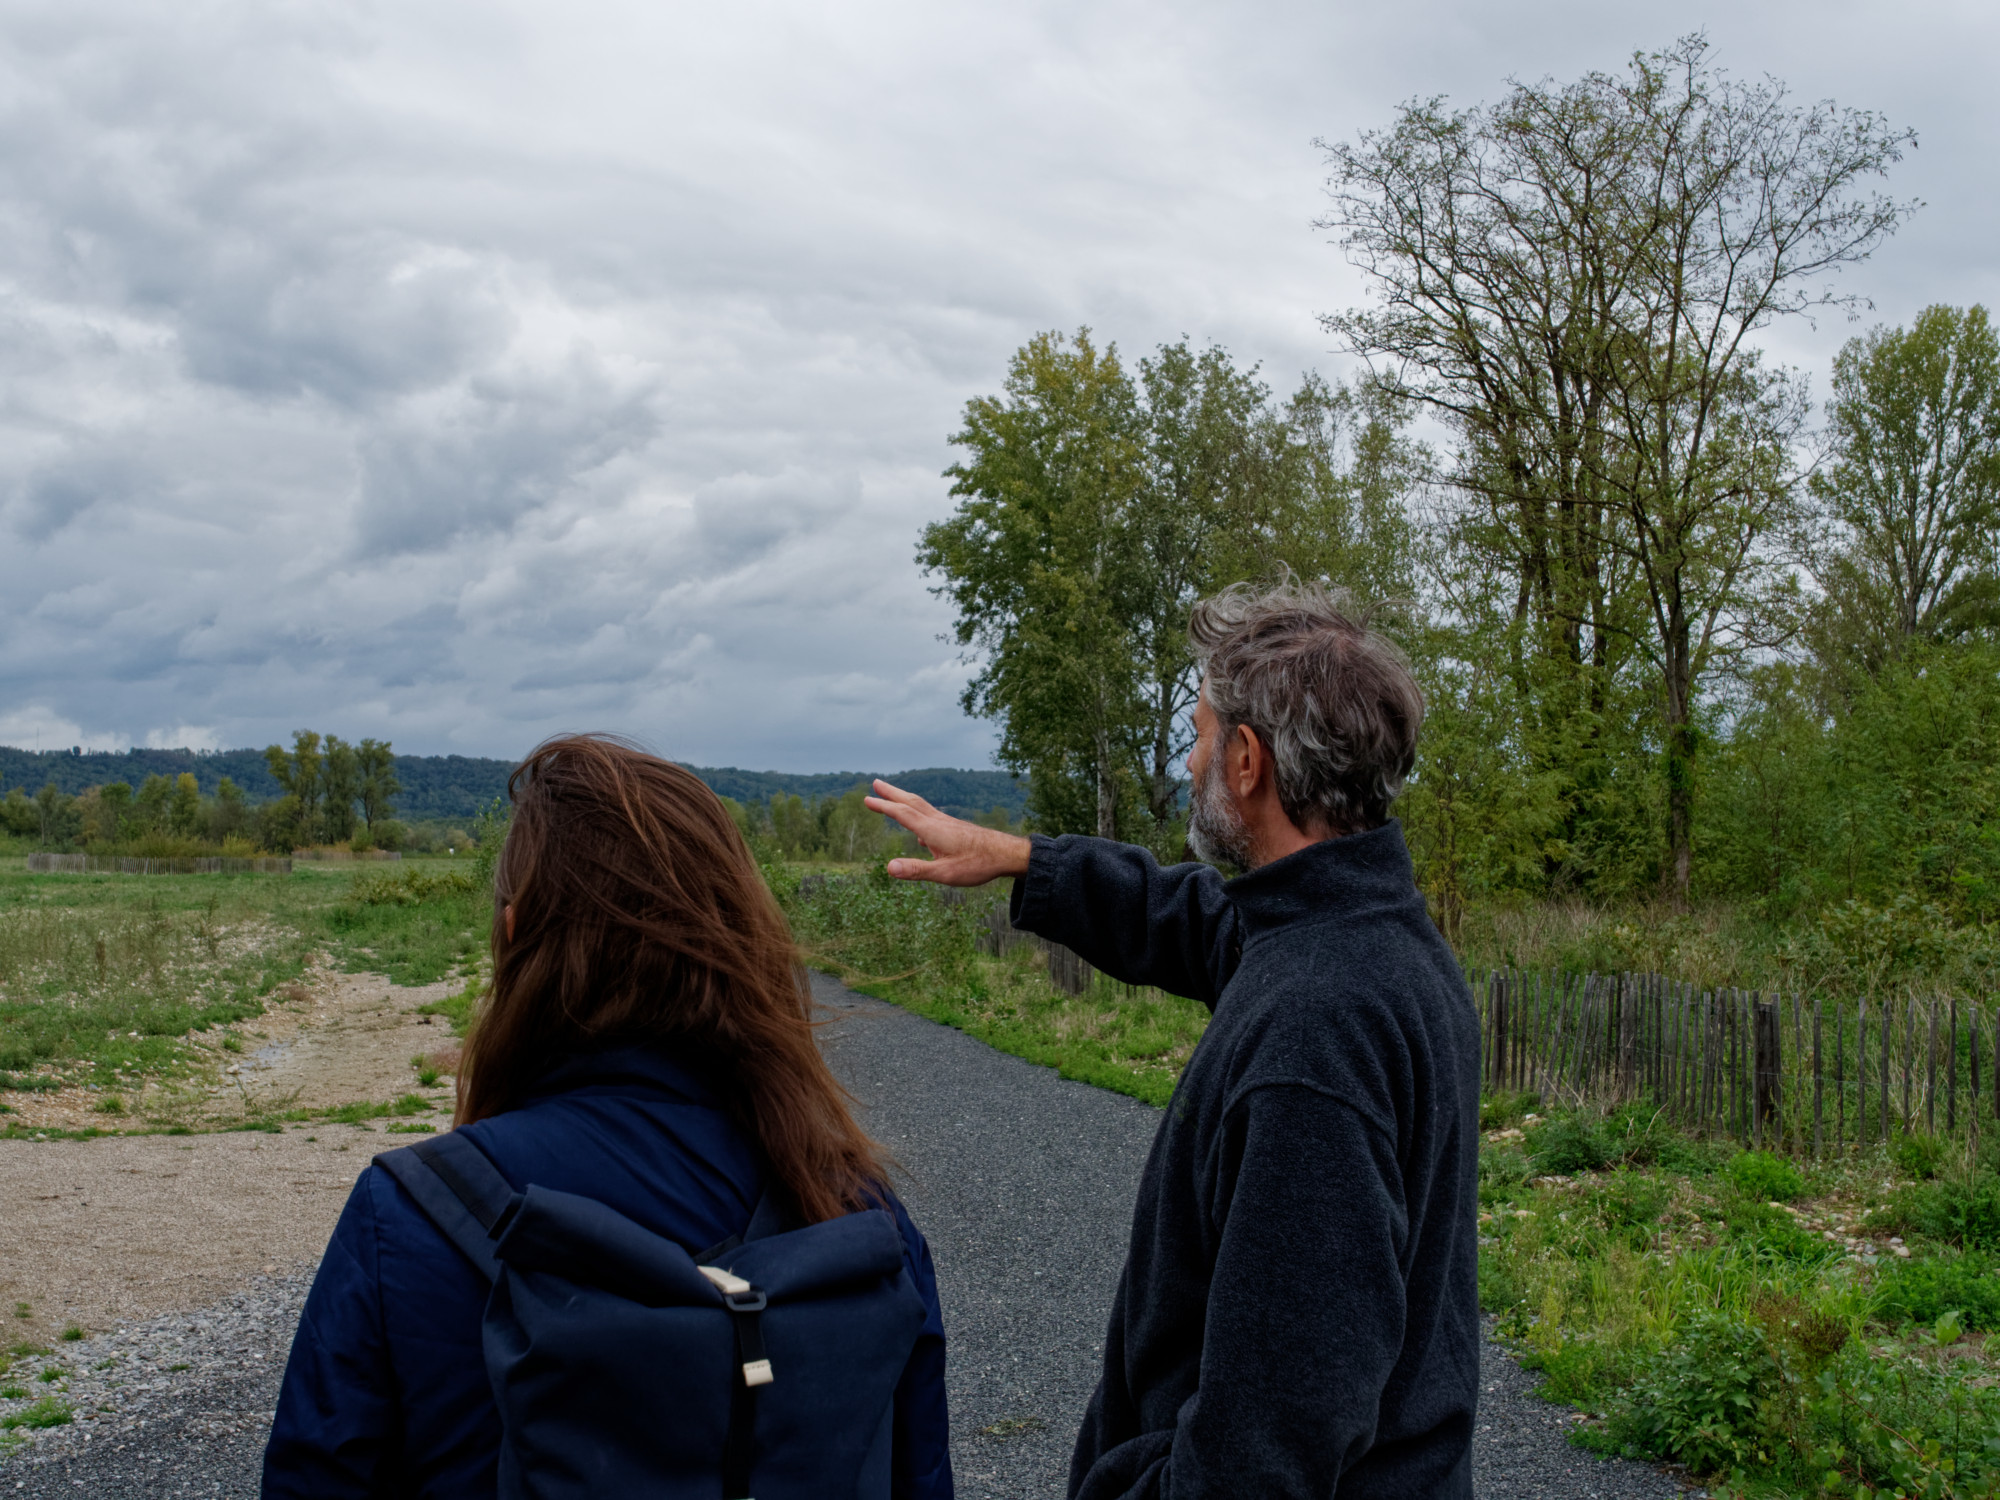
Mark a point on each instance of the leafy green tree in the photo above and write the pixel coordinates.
(184, 811)
(17, 815)
(1095, 509)
(107, 813)
(152, 807)
(279, 825)
(375, 762)
(794, 826)
(1573, 281)
(340, 777)
(1208, 461)
(300, 774)
(227, 815)
(1911, 487)
(853, 833)
(1041, 562)
(57, 819)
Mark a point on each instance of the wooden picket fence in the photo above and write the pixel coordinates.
(1781, 1072)
(106, 864)
(1067, 970)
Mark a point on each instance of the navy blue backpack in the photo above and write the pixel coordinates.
(763, 1367)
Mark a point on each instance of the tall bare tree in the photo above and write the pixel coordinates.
(1573, 279)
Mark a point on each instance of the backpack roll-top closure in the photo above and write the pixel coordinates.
(582, 1240)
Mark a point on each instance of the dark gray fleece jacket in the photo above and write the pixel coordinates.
(1298, 1315)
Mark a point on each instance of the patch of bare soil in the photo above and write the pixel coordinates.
(127, 1227)
(327, 1040)
(131, 1226)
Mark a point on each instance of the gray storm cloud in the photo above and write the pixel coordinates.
(463, 373)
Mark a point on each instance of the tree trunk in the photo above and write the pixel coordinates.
(1680, 752)
(1107, 789)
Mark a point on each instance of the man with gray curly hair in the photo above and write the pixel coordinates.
(1298, 1314)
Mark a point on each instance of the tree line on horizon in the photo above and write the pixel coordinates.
(1681, 636)
(332, 794)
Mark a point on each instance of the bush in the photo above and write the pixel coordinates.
(1922, 1291)
(1498, 1110)
(1497, 1289)
(1767, 1178)
(412, 887)
(1671, 1152)
(1918, 1155)
(1958, 1210)
(1632, 1201)
(1698, 1401)
(1772, 1234)
(1502, 1175)
(876, 929)
(1568, 1144)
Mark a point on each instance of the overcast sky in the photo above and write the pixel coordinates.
(458, 373)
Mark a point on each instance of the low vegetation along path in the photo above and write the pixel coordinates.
(1022, 1180)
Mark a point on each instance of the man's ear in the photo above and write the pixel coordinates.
(1247, 757)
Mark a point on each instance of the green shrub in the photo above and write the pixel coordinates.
(1922, 1291)
(1632, 1200)
(1568, 1144)
(1772, 1234)
(1499, 1110)
(412, 887)
(1502, 1175)
(1698, 1402)
(1917, 1155)
(877, 928)
(1959, 1210)
(1671, 1151)
(1767, 1178)
(1497, 1289)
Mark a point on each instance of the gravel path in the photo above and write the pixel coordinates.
(1022, 1181)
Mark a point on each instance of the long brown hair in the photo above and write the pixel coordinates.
(640, 919)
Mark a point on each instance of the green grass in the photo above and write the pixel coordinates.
(109, 980)
(1699, 1310)
(47, 1412)
(903, 944)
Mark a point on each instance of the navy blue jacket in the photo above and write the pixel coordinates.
(1298, 1315)
(385, 1393)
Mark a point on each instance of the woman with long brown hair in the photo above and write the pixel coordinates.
(647, 1043)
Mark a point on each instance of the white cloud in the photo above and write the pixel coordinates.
(34, 727)
(461, 373)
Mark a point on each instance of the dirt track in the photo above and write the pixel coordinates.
(96, 1231)
(329, 1039)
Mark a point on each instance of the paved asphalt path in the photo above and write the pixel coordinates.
(1023, 1183)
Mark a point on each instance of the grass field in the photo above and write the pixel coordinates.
(111, 981)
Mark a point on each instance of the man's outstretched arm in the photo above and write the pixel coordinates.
(1112, 903)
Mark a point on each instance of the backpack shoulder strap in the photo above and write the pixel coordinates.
(459, 1190)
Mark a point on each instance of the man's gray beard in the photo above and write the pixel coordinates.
(1216, 830)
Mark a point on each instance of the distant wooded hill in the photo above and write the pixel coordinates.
(458, 786)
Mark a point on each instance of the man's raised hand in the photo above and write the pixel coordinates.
(962, 853)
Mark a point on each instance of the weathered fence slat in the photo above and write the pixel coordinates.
(1819, 1080)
